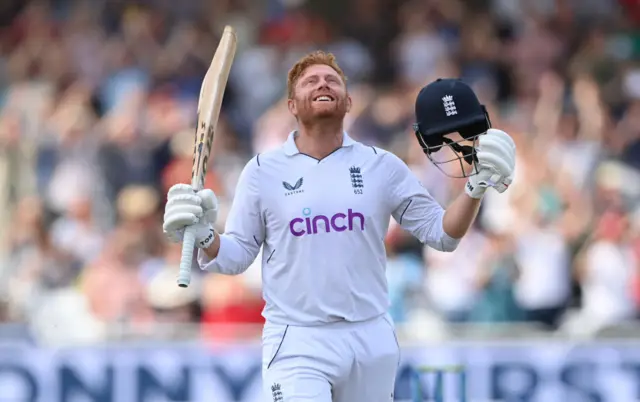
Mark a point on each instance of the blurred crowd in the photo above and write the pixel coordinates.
(97, 116)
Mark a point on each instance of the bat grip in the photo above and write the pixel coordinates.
(188, 242)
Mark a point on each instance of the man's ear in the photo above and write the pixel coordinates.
(292, 107)
(349, 103)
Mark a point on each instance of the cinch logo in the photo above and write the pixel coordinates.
(338, 223)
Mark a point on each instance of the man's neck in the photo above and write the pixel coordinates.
(319, 140)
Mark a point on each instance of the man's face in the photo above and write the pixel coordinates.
(319, 93)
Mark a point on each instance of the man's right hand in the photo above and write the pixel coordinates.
(187, 208)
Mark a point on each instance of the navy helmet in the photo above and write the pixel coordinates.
(447, 106)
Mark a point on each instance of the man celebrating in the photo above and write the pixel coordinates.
(320, 206)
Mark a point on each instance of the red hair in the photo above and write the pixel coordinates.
(318, 57)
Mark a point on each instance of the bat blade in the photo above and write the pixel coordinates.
(209, 104)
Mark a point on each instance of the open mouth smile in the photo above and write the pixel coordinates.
(324, 98)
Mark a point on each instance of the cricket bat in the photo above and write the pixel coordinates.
(209, 103)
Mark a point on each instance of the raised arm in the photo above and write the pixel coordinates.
(417, 212)
(414, 208)
(232, 252)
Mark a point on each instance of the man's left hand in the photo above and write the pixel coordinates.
(496, 154)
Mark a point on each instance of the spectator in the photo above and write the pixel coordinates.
(496, 279)
(450, 277)
(605, 273)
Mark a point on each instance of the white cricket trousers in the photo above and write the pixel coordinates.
(337, 362)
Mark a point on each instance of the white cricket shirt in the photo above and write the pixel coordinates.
(322, 225)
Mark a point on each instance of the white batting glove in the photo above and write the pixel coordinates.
(496, 153)
(187, 208)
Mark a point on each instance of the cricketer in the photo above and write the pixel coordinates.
(320, 206)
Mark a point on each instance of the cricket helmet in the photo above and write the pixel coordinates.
(447, 106)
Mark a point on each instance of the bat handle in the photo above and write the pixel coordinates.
(188, 242)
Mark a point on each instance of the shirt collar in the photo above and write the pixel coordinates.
(291, 149)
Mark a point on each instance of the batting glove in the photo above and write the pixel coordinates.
(496, 153)
(186, 208)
